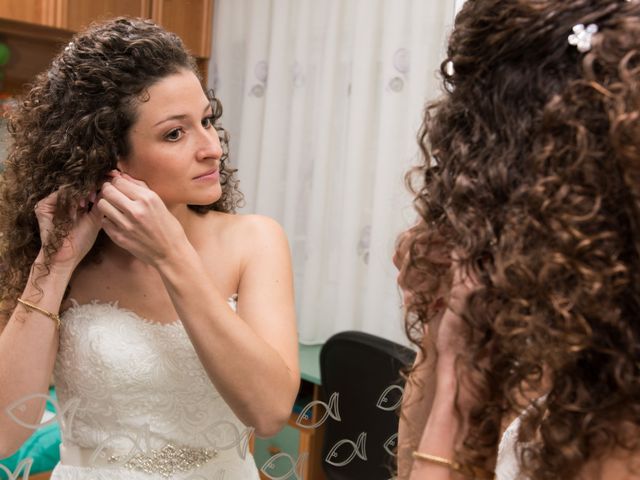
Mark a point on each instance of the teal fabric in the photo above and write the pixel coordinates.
(43, 447)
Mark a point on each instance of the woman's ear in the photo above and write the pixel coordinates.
(120, 163)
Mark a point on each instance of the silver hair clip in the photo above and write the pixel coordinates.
(581, 36)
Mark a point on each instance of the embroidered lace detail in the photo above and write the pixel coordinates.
(134, 387)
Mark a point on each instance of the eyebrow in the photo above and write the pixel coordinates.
(181, 116)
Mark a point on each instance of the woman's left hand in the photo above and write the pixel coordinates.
(136, 219)
(448, 328)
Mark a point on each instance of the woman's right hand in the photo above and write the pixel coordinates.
(81, 237)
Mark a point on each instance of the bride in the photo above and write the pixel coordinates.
(167, 321)
(521, 279)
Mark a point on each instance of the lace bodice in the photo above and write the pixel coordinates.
(126, 385)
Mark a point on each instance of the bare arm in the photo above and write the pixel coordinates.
(251, 356)
(29, 341)
(417, 401)
(441, 431)
(420, 387)
(28, 346)
(444, 427)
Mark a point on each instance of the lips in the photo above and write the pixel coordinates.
(207, 174)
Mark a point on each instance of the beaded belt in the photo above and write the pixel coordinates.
(165, 461)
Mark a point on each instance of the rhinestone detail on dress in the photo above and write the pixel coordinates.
(168, 460)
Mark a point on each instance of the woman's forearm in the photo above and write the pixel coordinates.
(442, 428)
(248, 372)
(28, 347)
(417, 401)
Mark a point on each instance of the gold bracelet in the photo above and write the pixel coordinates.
(466, 470)
(53, 316)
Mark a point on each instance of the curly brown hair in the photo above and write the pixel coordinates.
(72, 125)
(532, 175)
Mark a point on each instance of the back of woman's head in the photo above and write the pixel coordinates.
(72, 126)
(532, 176)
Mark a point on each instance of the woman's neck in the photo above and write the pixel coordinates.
(188, 218)
(123, 259)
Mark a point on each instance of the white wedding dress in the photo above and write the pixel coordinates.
(507, 466)
(134, 402)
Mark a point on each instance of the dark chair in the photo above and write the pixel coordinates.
(363, 389)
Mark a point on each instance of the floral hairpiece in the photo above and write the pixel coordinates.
(582, 36)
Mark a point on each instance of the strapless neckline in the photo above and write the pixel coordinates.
(114, 306)
(128, 384)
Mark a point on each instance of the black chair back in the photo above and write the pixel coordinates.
(363, 389)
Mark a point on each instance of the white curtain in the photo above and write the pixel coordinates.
(458, 5)
(323, 101)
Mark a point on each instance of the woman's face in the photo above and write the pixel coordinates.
(174, 147)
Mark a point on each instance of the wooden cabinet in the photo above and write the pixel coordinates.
(32, 11)
(35, 29)
(78, 14)
(32, 48)
(190, 19)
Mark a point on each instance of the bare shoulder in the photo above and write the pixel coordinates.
(248, 231)
(244, 239)
(619, 463)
